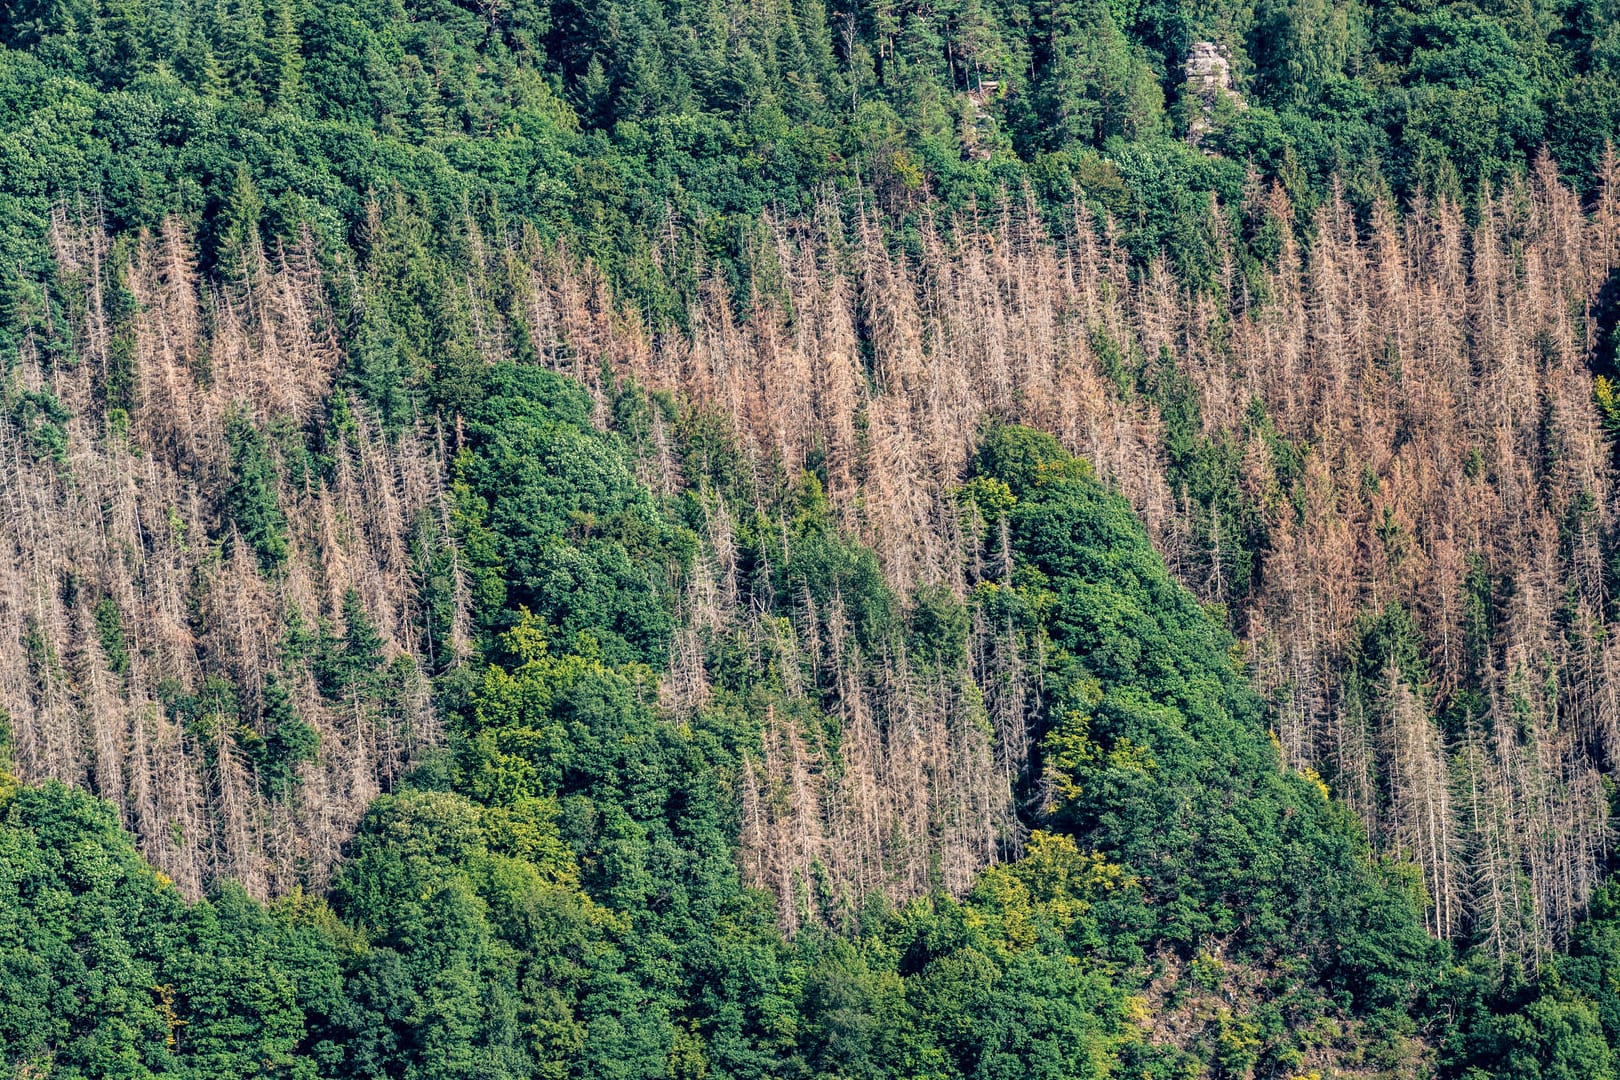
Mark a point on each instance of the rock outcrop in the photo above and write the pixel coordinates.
(1209, 78)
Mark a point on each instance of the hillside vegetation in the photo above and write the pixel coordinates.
(660, 540)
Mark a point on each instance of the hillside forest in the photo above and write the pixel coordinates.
(628, 539)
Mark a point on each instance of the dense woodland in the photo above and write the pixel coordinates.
(644, 539)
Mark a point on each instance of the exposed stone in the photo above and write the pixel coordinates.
(1209, 78)
(1208, 72)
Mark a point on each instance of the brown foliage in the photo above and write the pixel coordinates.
(126, 518)
(1433, 377)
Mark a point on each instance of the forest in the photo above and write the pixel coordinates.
(919, 539)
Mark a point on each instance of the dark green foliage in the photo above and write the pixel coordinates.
(1593, 955)
(377, 373)
(1557, 1025)
(838, 579)
(1157, 750)
(1089, 83)
(208, 713)
(556, 895)
(1230, 522)
(252, 510)
(110, 629)
(652, 134)
(107, 972)
(637, 799)
(555, 522)
(348, 664)
(81, 966)
(479, 940)
(42, 421)
(280, 743)
(939, 625)
(436, 564)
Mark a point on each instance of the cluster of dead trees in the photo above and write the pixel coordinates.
(1440, 376)
(876, 771)
(1432, 371)
(118, 543)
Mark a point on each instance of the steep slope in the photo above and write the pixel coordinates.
(1406, 583)
(561, 892)
(213, 609)
(631, 538)
(1382, 456)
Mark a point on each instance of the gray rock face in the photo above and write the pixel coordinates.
(1209, 78)
(1207, 70)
